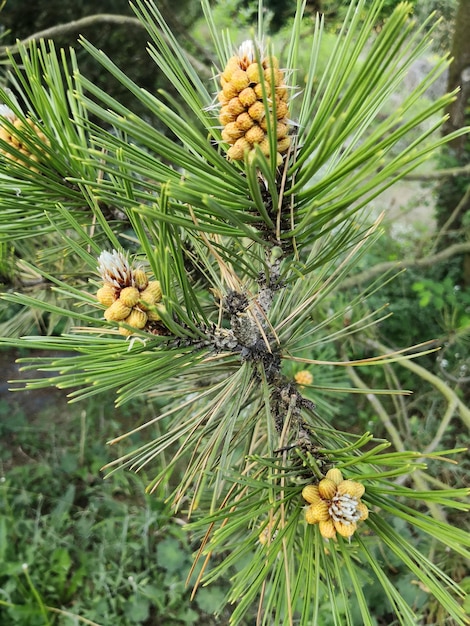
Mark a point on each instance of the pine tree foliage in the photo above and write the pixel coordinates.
(247, 254)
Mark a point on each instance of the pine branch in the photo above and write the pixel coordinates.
(219, 344)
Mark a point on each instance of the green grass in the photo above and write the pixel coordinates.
(77, 547)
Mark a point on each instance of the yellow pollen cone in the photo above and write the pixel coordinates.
(283, 145)
(153, 316)
(258, 88)
(226, 116)
(236, 106)
(317, 513)
(141, 280)
(244, 121)
(257, 111)
(151, 295)
(254, 134)
(247, 97)
(327, 529)
(136, 318)
(106, 295)
(237, 151)
(229, 91)
(351, 488)
(311, 494)
(327, 488)
(345, 530)
(304, 377)
(253, 73)
(129, 296)
(117, 312)
(233, 64)
(240, 80)
(334, 475)
(363, 511)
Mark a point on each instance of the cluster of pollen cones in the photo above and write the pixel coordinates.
(127, 293)
(246, 114)
(17, 149)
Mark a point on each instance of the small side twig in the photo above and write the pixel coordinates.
(386, 266)
(440, 174)
(379, 408)
(461, 206)
(76, 26)
(435, 381)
